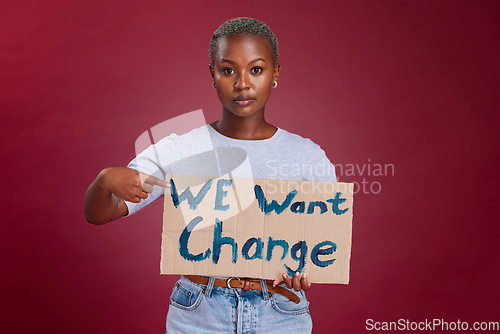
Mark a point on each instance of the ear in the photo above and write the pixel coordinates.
(277, 70)
(211, 68)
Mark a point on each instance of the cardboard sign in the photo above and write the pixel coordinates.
(261, 228)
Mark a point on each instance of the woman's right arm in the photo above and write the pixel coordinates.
(106, 196)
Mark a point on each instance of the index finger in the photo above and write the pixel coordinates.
(297, 286)
(277, 281)
(154, 181)
(304, 282)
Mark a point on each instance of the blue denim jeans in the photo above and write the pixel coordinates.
(196, 308)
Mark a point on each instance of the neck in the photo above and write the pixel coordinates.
(253, 127)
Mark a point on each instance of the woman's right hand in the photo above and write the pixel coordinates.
(129, 184)
(106, 196)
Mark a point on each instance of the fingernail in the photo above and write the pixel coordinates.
(297, 273)
(285, 275)
(304, 275)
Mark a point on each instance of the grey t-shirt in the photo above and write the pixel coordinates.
(204, 151)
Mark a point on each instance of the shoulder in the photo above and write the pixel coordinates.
(299, 158)
(189, 140)
(299, 143)
(199, 132)
(163, 151)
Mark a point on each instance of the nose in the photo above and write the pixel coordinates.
(242, 81)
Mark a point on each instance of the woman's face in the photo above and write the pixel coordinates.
(243, 71)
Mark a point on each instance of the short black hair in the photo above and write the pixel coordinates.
(244, 25)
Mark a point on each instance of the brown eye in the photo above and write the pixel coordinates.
(256, 70)
(228, 70)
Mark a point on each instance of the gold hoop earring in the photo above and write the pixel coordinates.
(275, 84)
(213, 85)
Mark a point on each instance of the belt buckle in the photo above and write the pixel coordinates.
(228, 282)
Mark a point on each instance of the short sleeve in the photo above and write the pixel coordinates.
(148, 162)
(164, 158)
(324, 170)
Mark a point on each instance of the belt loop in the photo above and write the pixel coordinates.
(209, 287)
(263, 286)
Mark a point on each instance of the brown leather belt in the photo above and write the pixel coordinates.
(245, 284)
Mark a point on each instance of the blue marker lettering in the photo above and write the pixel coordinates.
(221, 193)
(219, 240)
(302, 246)
(335, 204)
(298, 207)
(267, 208)
(258, 248)
(193, 201)
(270, 245)
(312, 205)
(327, 251)
(184, 239)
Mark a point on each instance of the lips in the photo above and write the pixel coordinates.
(243, 100)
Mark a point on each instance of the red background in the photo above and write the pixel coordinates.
(408, 83)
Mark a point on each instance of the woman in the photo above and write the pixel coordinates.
(244, 67)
